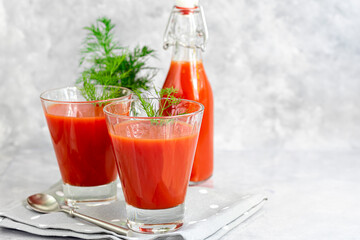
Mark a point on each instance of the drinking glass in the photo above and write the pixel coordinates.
(81, 141)
(154, 156)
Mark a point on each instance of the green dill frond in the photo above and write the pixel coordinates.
(168, 100)
(105, 62)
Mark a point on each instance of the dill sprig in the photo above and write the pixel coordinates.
(106, 62)
(167, 100)
(93, 92)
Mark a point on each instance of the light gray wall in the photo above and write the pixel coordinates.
(285, 74)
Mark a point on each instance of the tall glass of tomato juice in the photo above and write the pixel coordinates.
(81, 141)
(154, 156)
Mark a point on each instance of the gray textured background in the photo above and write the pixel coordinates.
(284, 73)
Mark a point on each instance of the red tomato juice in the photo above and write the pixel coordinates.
(190, 79)
(154, 171)
(82, 144)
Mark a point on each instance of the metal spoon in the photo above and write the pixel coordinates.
(46, 203)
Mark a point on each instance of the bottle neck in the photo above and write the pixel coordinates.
(186, 54)
(187, 28)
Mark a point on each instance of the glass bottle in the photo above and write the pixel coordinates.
(187, 33)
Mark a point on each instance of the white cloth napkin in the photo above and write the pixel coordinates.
(209, 214)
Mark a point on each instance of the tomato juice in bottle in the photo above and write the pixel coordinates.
(187, 34)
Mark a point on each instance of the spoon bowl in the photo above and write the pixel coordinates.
(43, 203)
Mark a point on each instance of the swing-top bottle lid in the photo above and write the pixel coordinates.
(186, 3)
(186, 26)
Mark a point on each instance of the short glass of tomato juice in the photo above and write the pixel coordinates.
(81, 141)
(154, 156)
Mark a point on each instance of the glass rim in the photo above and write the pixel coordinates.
(79, 101)
(152, 118)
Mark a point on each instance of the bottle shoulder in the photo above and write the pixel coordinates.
(186, 71)
(191, 81)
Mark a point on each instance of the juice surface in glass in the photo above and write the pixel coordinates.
(190, 79)
(154, 171)
(82, 144)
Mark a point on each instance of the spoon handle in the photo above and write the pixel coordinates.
(98, 222)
